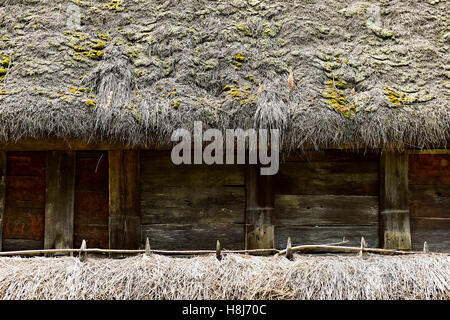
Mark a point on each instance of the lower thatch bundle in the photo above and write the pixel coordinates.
(234, 277)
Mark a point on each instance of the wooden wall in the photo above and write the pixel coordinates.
(191, 206)
(429, 200)
(91, 200)
(24, 216)
(321, 197)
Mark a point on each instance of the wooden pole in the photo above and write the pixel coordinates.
(425, 247)
(289, 253)
(59, 199)
(147, 247)
(394, 217)
(3, 160)
(83, 254)
(218, 251)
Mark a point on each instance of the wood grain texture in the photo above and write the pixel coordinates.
(23, 218)
(59, 200)
(326, 210)
(22, 244)
(431, 201)
(395, 224)
(435, 231)
(3, 160)
(91, 200)
(194, 236)
(429, 169)
(334, 178)
(188, 206)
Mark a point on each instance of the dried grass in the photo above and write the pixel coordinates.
(234, 277)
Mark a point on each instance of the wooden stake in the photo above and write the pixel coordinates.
(147, 247)
(425, 247)
(363, 246)
(218, 251)
(83, 255)
(289, 253)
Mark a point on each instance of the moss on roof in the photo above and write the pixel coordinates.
(325, 72)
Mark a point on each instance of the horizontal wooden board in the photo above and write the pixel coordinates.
(301, 235)
(429, 168)
(26, 164)
(194, 236)
(429, 201)
(435, 231)
(162, 172)
(330, 156)
(96, 236)
(23, 223)
(22, 244)
(326, 209)
(188, 204)
(25, 192)
(334, 178)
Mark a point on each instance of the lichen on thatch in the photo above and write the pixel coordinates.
(422, 276)
(365, 74)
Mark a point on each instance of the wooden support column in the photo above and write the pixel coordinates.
(59, 199)
(2, 192)
(394, 218)
(259, 216)
(124, 200)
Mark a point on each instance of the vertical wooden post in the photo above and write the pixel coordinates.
(3, 160)
(124, 197)
(395, 228)
(59, 199)
(259, 216)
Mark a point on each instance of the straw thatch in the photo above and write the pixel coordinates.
(325, 72)
(234, 277)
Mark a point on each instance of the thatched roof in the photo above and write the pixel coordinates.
(234, 277)
(325, 72)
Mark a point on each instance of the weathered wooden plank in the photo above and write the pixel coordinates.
(22, 244)
(429, 151)
(395, 225)
(194, 236)
(96, 236)
(435, 231)
(326, 234)
(331, 155)
(156, 170)
(338, 178)
(187, 204)
(59, 200)
(56, 144)
(92, 172)
(25, 192)
(429, 169)
(2, 192)
(429, 201)
(124, 200)
(326, 210)
(26, 164)
(259, 214)
(24, 223)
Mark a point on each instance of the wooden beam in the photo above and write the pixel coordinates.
(124, 200)
(2, 192)
(59, 199)
(259, 215)
(394, 217)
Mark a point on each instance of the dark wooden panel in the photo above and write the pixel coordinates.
(435, 231)
(2, 192)
(91, 200)
(194, 236)
(92, 172)
(161, 171)
(187, 204)
(429, 169)
(330, 156)
(338, 178)
(22, 244)
(26, 164)
(326, 210)
(25, 192)
(301, 235)
(59, 199)
(24, 223)
(429, 201)
(394, 209)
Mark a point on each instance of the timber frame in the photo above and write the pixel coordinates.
(124, 196)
